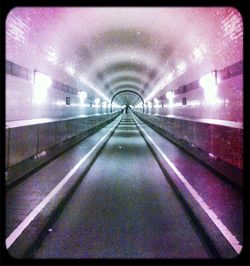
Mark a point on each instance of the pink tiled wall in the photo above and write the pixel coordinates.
(221, 141)
(230, 93)
(20, 105)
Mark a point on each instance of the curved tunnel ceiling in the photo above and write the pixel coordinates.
(128, 98)
(150, 50)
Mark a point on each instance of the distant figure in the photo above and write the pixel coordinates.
(126, 109)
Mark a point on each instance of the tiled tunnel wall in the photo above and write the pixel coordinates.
(212, 131)
(223, 142)
(220, 146)
(24, 142)
(190, 102)
(20, 104)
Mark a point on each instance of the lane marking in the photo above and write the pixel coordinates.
(21, 227)
(222, 228)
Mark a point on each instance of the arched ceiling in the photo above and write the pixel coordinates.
(128, 98)
(103, 50)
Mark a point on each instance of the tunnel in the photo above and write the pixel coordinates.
(123, 133)
(127, 92)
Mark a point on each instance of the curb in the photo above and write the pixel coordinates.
(24, 169)
(216, 242)
(31, 237)
(227, 172)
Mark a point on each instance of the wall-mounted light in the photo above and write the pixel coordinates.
(139, 105)
(208, 80)
(194, 103)
(170, 97)
(41, 84)
(82, 95)
(104, 104)
(149, 104)
(157, 103)
(97, 101)
(209, 83)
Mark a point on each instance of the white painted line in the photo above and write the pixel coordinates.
(223, 229)
(21, 227)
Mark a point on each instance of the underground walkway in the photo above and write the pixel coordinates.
(122, 206)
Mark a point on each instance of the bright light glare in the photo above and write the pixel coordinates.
(157, 103)
(116, 105)
(86, 82)
(210, 95)
(208, 83)
(170, 97)
(198, 55)
(139, 105)
(194, 103)
(218, 80)
(70, 69)
(97, 101)
(169, 77)
(149, 104)
(208, 80)
(42, 83)
(83, 95)
(182, 67)
(104, 104)
(160, 85)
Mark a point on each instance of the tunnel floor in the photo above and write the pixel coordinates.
(124, 208)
